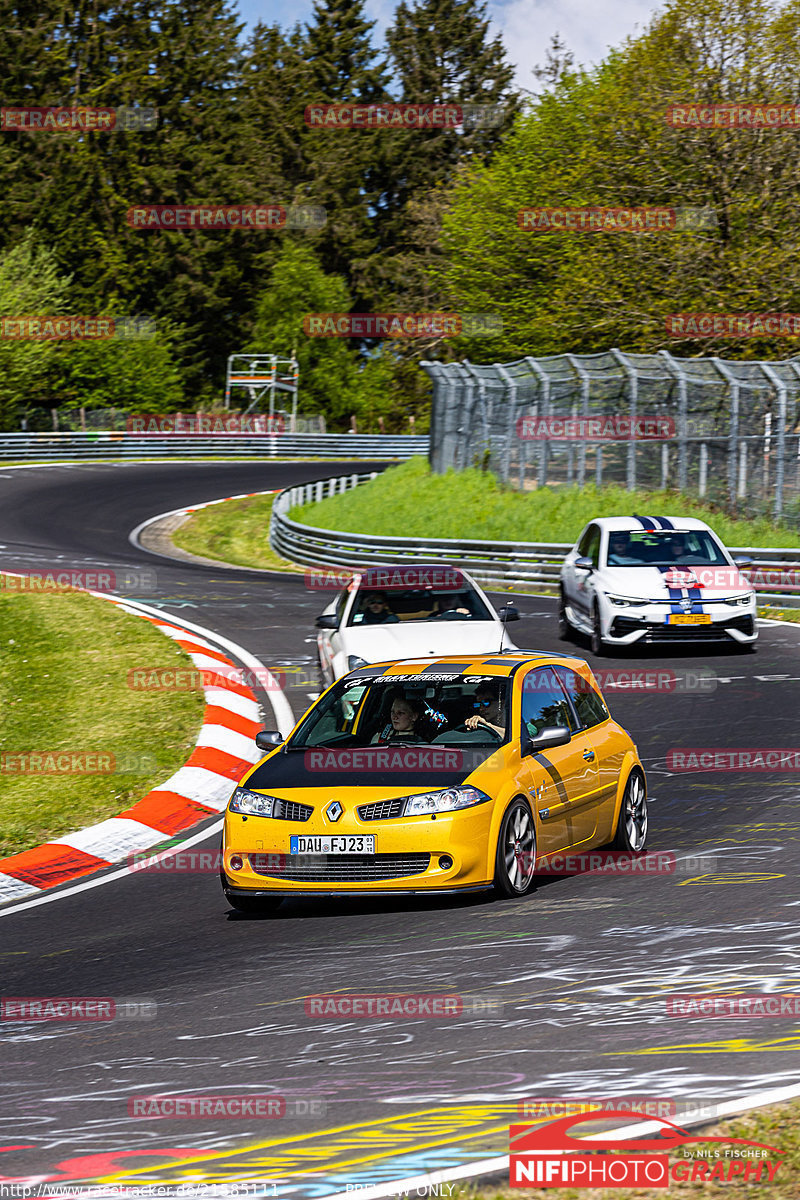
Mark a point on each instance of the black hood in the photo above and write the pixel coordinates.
(420, 767)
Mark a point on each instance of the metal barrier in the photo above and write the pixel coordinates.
(45, 446)
(532, 566)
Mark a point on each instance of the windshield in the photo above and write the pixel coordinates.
(392, 606)
(695, 547)
(440, 709)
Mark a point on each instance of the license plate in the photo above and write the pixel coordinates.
(689, 619)
(332, 845)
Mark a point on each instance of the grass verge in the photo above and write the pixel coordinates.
(64, 663)
(236, 531)
(407, 500)
(778, 1125)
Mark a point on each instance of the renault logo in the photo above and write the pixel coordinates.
(334, 811)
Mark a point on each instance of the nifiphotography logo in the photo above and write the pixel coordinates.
(551, 1156)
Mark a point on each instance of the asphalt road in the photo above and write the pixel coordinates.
(583, 966)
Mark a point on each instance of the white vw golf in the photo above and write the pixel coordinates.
(392, 612)
(654, 580)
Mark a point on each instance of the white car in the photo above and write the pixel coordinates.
(408, 611)
(654, 580)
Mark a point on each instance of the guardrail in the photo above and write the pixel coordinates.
(529, 566)
(45, 446)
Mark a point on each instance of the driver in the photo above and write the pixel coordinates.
(376, 610)
(404, 717)
(619, 550)
(489, 710)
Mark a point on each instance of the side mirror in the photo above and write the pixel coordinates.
(584, 563)
(548, 739)
(743, 560)
(268, 739)
(327, 621)
(509, 612)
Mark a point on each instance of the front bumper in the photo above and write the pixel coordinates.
(649, 625)
(406, 859)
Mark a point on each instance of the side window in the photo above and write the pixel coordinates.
(543, 703)
(341, 604)
(588, 704)
(589, 545)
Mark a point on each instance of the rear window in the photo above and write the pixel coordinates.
(587, 702)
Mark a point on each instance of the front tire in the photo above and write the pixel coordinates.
(515, 860)
(631, 832)
(597, 643)
(564, 628)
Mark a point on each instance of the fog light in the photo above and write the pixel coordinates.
(235, 862)
(445, 862)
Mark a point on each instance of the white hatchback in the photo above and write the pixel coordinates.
(654, 580)
(392, 612)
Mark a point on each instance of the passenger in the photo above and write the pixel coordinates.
(489, 706)
(377, 611)
(404, 717)
(619, 550)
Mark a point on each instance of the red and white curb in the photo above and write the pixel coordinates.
(135, 534)
(224, 750)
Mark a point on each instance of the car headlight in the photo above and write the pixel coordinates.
(251, 804)
(737, 600)
(353, 661)
(448, 800)
(625, 601)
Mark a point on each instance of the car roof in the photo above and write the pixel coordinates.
(657, 524)
(502, 665)
(385, 575)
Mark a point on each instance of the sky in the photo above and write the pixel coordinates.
(589, 27)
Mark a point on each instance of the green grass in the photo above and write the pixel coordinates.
(778, 1125)
(236, 531)
(64, 662)
(407, 500)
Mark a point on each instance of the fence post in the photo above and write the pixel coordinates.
(733, 424)
(633, 403)
(544, 450)
(468, 367)
(677, 372)
(741, 490)
(780, 450)
(584, 378)
(664, 466)
(511, 388)
(703, 470)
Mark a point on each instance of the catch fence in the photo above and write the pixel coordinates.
(727, 430)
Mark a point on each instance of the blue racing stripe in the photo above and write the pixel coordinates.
(665, 523)
(645, 522)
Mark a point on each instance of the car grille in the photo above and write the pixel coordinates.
(381, 810)
(670, 633)
(339, 868)
(290, 810)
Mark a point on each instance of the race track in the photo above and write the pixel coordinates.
(582, 966)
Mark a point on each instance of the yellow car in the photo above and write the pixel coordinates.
(449, 774)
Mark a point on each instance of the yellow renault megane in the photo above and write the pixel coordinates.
(434, 775)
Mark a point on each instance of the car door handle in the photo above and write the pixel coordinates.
(588, 755)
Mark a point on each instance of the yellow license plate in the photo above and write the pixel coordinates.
(689, 619)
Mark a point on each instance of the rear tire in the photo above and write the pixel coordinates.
(631, 834)
(515, 859)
